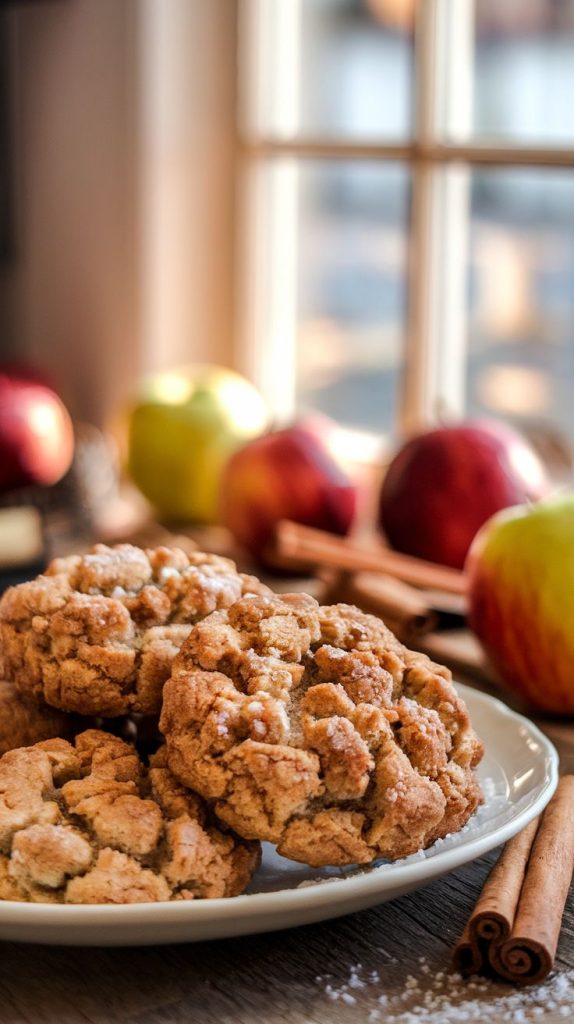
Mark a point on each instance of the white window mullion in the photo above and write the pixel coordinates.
(269, 68)
(435, 361)
(267, 256)
(267, 281)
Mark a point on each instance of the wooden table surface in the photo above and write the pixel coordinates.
(384, 964)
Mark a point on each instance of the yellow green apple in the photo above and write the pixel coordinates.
(521, 589)
(182, 429)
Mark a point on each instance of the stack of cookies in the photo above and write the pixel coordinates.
(277, 719)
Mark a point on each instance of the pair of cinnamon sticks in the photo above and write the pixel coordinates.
(514, 928)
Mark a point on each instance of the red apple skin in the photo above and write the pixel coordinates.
(286, 474)
(520, 572)
(443, 485)
(36, 433)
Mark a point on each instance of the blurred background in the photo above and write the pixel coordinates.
(365, 206)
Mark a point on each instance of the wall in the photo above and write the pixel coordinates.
(124, 157)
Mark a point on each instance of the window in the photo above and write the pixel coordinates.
(408, 209)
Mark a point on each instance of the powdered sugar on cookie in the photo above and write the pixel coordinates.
(88, 823)
(97, 633)
(315, 729)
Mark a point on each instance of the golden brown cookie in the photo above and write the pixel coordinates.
(314, 728)
(87, 823)
(23, 722)
(96, 634)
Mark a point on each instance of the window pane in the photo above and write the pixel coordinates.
(524, 70)
(351, 306)
(340, 68)
(521, 358)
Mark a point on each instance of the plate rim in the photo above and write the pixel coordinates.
(314, 895)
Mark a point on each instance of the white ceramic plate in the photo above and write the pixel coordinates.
(518, 773)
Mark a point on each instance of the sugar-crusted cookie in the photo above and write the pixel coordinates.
(314, 728)
(96, 634)
(87, 823)
(23, 722)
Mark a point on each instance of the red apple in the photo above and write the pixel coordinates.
(521, 597)
(286, 474)
(443, 485)
(36, 433)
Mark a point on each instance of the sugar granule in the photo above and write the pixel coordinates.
(437, 997)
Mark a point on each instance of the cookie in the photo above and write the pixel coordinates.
(96, 634)
(87, 823)
(314, 728)
(23, 722)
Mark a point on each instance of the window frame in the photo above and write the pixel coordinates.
(440, 160)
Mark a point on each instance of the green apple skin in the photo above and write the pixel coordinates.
(181, 433)
(521, 589)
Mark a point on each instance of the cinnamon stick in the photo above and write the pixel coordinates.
(389, 598)
(491, 920)
(514, 927)
(528, 954)
(296, 544)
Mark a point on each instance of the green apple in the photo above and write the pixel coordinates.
(521, 589)
(182, 430)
